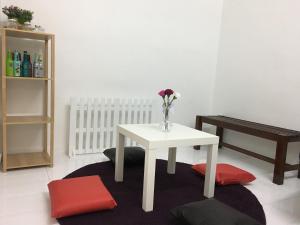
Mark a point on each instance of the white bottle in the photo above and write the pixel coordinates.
(40, 72)
(35, 66)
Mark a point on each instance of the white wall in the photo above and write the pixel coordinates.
(131, 48)
(134, 48)
(258, 68)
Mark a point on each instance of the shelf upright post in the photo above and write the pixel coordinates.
(52, 98)
(46, 93)
(4, 99)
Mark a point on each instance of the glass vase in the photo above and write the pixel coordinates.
(166, 124)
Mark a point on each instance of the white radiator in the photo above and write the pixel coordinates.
(93, 122)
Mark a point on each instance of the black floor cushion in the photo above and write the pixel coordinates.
(132, 155)
(211, 212)
(170, 191)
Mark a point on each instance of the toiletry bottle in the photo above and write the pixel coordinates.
(41, 66)
(20, 60)
(17, 64)
(26, 65)
(9, 64)
(24, 70)
(30, 66)
(35, 66)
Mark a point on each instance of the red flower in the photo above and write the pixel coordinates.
(169, 92)
(162, 93)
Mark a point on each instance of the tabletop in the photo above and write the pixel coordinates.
(151, 135)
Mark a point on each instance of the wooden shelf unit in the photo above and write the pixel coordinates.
(27, 158)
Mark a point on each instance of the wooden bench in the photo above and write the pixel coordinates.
(282, 137)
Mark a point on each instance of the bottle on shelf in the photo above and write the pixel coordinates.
(26, 65)
(30, 66)
(9, 64)
(35, 66)
(38, 67)
(41, 66)
(17, 64)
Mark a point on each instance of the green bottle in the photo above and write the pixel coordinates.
(9, 64)
(17, 64)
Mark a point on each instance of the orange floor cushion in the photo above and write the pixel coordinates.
(227, 174)
(79, 195)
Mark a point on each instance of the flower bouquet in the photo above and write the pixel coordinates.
(168, 96)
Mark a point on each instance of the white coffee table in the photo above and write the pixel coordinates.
(151, 137)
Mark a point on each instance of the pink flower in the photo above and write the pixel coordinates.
(162, 93)
(169, 92)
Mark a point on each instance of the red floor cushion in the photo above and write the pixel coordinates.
(79, 195)
(227, 174)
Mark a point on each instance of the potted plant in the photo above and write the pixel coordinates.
(12, 12)
(25, 16)
(16, 14)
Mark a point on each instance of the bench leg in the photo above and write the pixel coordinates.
(220, 134)
(198, 126)
(280, 159)
(299, 168)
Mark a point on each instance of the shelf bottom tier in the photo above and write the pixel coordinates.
(23, 160)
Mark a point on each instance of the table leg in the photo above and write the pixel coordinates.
(210, 173)
(172, 161)
(280, 158)
(119, 164)
(149, 180)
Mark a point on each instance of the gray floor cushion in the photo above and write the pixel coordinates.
(210, 212)
(132, 155)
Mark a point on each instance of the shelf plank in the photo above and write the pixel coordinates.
(27, 34)
(23, 160)
(27, 78)
(22, 120)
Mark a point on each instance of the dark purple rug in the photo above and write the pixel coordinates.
(170, 191)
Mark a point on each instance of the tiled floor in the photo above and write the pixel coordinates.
(24, 196)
